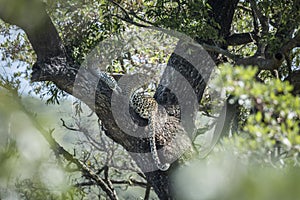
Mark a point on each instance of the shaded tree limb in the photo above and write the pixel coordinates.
(291, 44)
(294, 79)
(240, 38)
(118, 182)
(36, 24)
(223, 12)
(261, 62)
(147, 192)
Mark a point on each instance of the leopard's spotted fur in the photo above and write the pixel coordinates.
(161, 131)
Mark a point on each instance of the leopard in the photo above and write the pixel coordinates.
(161, 132)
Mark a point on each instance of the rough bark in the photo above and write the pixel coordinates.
(222, 12)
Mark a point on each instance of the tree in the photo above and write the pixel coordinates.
(259, 33)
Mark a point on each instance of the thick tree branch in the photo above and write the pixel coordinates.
(274, 62)
(264, 22)
(219, 50)
(240, 39)
(195, 70)
(294, 79)
(261, 62)
(39, 28)
(291, 44)
(223, 12)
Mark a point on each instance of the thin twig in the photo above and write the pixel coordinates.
(67, 127)
(147, 192)
(131, 21)
(130, 182)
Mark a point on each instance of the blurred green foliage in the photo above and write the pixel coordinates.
(271, 113)
(26, 172)
(225, 175)
(29, 169)
(260, 159)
